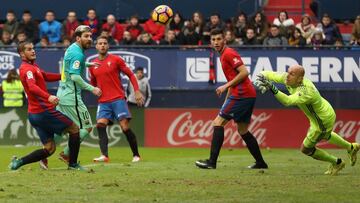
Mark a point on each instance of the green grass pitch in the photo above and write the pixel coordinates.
(169, 175)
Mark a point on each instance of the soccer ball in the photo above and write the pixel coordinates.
(162, 14)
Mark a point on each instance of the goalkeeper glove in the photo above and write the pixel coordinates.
(267, 83)
(260, 86)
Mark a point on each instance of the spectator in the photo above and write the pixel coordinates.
(106, 33)
(20, 37)
(260, 25)
(250, 38)
(330, 30)
(66, 42)
(296, 39)
(318, 39)
(50, 28)
(145, 39)
(30, 28)
(189, 36)
(306, 27)
(230, 38)
(215, 22)
(6, 39)
(144, 87)
(283, 22)
(239, 25)
(12, 90)
(134, 27)
(156, 30)
(274, 38)
(170, 38)
(11, 24)
(70, 24)
(177, 23)
(93, 22)
(116, 30)
(127, 39)
(355, 34)
(44, 42)
(198, 22)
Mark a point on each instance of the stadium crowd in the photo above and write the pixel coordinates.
(240, 30)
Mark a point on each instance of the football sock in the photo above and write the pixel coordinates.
(216, 143)
(83, 134)
(131, 138)
(339, 141)
(35, 156)
(322, 155)
(74, 147)
(103, 138)
(253, 146)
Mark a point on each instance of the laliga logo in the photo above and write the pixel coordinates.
(185, 130)
(8, 61)
(131, 59)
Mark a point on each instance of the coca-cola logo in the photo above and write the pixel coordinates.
(186, 130)
(347, 129)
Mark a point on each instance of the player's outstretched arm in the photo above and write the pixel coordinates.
(299, 97)
(274, 76)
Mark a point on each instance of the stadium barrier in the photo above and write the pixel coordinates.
(274, 128)
(189, 68)
(15, 129)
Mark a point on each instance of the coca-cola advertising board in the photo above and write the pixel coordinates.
(277, 128)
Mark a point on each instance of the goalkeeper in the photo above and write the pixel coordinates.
(320, 113)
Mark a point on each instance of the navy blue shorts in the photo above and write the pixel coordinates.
(48, 123)
(240, 110)
(116, 110)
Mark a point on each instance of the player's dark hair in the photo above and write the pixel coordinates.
(139, 69)
(81, 29)
(286, 14)
(101, 37)
(273, 25)
(21, 46)
(216, 31)
(215, 14)
(27, 12)
(11, 11)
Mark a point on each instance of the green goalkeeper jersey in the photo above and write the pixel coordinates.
(69, 92)
(307, 98)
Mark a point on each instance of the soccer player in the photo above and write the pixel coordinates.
(71, 84)
(238, 105)
(320, 113)
(42, 114)
(112, 103)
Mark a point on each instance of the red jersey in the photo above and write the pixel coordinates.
(230, 60)
(33, 80)
(107, 78)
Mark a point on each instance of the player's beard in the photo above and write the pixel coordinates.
(86, 44)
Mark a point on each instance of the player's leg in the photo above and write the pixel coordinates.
(309, 148)
(37, 121)
(252, 145)
(352, 148)
(81, 117)
(216, 143)
(131, 138)
(123, 115)
(35, 156)
(104, 115)
(103, 140)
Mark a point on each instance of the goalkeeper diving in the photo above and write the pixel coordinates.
(320, 113)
